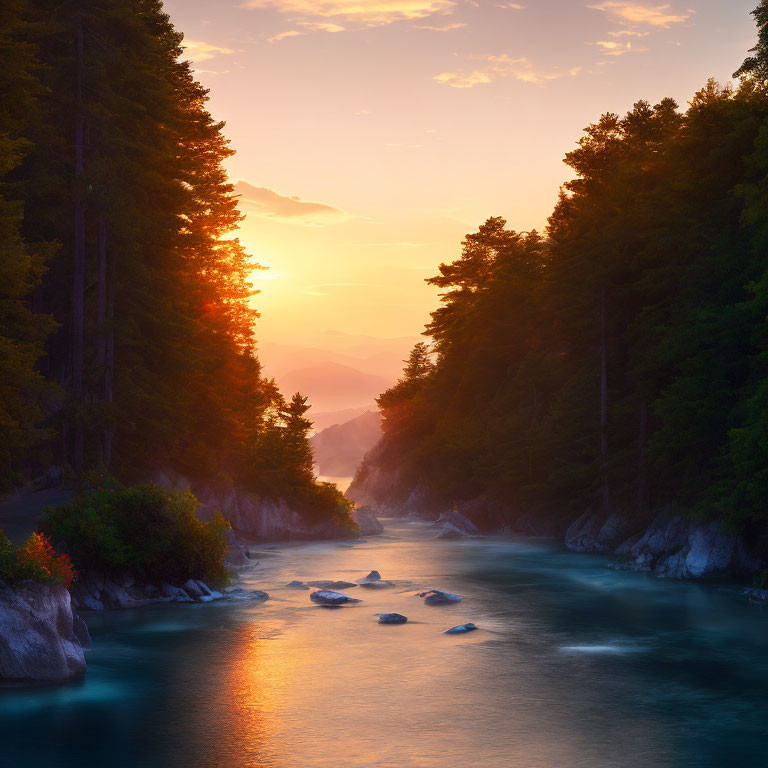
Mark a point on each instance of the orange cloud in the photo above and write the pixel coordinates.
(366, 12)
(500, 67)
(198, 50)
(307, 26)
(446, 28)
(635, 13)
(265, 202)
(616, 48)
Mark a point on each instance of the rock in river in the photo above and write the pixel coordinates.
(438, 597)
(328, 597)
(297, 585)
(331, 584)
(460, 629)
(366, 518)
(374, 581)
(392, 618)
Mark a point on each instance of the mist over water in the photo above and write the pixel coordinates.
(574, 666)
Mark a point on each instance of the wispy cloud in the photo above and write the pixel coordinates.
(265, 202)
(617, 47)
(283, 35)
(305, 28)
(501, 67)
(661, 16)
(199, 50)
(446, 28)
(628, 33)
(363, 12)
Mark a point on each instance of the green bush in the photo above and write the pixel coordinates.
(145, 530)
(761, 579)
(322, 502)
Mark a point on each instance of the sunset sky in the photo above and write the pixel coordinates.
(371, 135)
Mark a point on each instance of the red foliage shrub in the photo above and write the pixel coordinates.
(38, 560)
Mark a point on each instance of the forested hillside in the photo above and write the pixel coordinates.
(619, 360)
(126, 323)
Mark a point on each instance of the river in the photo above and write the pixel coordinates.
(573, 666)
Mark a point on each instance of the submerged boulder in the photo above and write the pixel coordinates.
(333, 585)
(297, 585)
(329, 597)
(438, 597)
(460, 629)
(392, 618)
(374, 581)
(260, 595)
(41, 638)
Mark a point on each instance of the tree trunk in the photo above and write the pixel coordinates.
(109, 364)
(604, 399)
(641, 478)
(78, 285)
(101, 338)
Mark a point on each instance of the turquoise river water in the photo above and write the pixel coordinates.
(574, 665)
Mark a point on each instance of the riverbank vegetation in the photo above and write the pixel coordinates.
(149, 532)
(35, 560)
(126, 312)
(618, 360)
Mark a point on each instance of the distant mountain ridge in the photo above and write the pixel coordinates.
(324, 419)
(333, 386)
(339, 450)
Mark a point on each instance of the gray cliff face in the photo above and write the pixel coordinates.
(383, 489)
(41, 638)
(671, 546)
(251, 516)
(597, 533)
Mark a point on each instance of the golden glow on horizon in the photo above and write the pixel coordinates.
(372, 135)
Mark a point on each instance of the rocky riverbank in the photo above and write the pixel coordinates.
(254, 518)
(669, 545)
(42, 638)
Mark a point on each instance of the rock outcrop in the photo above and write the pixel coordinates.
(597, 532)
(671, 545)
(259, 519)
(367, 520)
(41, 637)
(93, 592)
